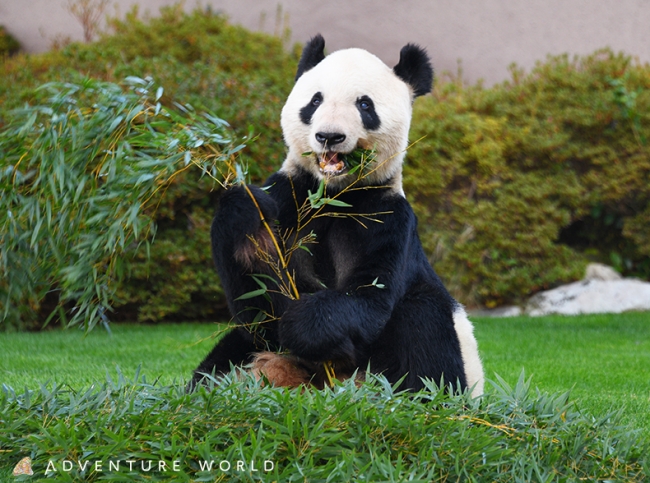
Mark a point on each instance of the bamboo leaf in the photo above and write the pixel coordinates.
(116, 122)
(335, 202)
(36, 232)
(252, 294)
(145, 177)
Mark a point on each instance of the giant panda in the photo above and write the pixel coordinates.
(369, 299)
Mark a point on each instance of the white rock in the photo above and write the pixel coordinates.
(598, 271)
(505, 311)
(592, 297)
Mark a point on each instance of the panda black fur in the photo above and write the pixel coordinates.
(405, 324)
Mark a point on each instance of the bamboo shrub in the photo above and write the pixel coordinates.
(81, 173)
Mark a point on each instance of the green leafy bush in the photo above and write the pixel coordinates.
(519, 185)
(8, 44)
(81, 173)
(203, 61)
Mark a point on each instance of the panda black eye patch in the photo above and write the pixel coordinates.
(308, 111)
(369, 116)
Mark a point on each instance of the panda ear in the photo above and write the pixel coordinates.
(415, 69)
(312, 53)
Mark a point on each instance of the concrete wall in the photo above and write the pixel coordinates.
(486, 35)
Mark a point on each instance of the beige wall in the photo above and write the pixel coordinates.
(486, 35)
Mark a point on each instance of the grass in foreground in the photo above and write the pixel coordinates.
(513, 434)
(602, 359)
(344, 434)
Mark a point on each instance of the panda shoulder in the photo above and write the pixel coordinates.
(279, 186)
(398, 199)
(396, 209)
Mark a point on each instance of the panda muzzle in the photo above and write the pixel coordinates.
(331, 163)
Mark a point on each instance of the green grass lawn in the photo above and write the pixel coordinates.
(603, 359)
(168, 352)
(514, 434)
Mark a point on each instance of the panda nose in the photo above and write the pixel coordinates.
(330, 138)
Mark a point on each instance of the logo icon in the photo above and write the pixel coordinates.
(24, 467)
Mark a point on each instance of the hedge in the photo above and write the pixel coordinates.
(8, 44)
(516, 186)
(520, 185)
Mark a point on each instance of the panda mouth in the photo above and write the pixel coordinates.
(332, 163)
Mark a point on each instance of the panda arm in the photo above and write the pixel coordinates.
(236, 221)
(340, 322)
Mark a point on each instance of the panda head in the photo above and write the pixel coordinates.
(351, 100)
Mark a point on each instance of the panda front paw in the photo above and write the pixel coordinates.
(312, 328)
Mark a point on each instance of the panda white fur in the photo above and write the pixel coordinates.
(369, 297)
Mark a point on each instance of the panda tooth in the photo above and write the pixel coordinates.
(331, 163)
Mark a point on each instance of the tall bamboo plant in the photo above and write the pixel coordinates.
(81, 173)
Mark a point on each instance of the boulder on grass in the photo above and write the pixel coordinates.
(602, 290)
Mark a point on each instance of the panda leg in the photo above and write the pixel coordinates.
(279, 370)
(289, 371)
(469, 349)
